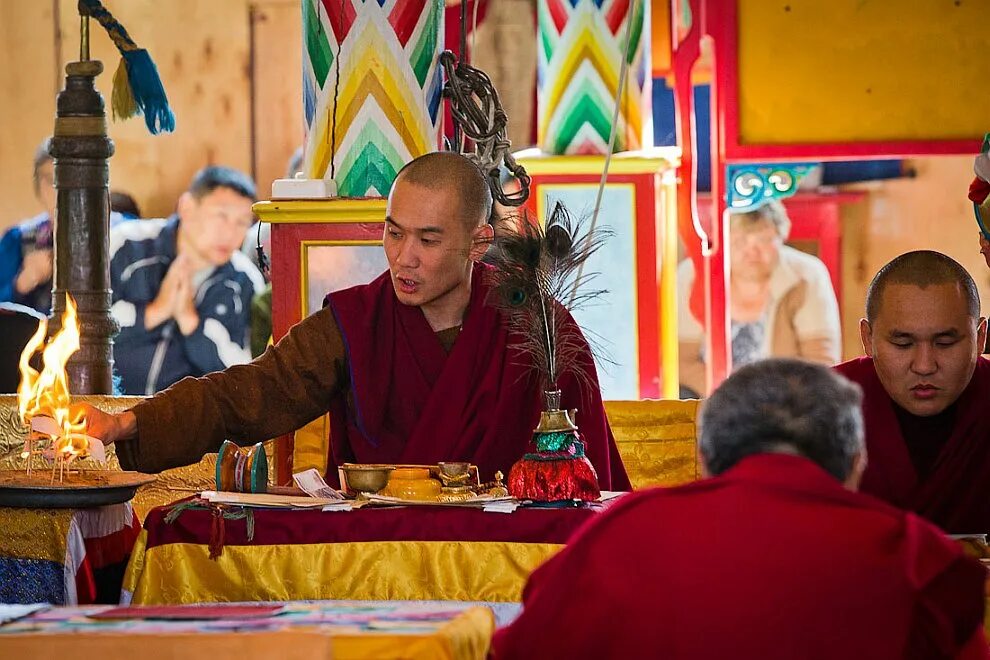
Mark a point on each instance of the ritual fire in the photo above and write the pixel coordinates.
(44, 399)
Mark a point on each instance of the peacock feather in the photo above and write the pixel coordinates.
(538, 278)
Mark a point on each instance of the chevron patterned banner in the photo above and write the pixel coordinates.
(581, 45)
(371, 89)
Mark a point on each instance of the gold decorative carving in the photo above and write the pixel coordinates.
(171, 485)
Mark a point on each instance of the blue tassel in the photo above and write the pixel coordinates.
(149, 94)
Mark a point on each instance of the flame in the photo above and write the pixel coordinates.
(29, 376)
(46, 393)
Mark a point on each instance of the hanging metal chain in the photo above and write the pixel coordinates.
(477, 112)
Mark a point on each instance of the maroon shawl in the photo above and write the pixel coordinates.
(956, 495)
(411, 402)
(812, 571)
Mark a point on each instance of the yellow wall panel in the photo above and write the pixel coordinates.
(660, 38)
(860, 70)
(277, 80)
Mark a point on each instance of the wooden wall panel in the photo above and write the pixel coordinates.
(27, 104)
(277, 80)
(202, 50)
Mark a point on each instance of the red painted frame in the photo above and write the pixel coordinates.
(725, 29)
(648, 273)
(287, 261)
(717, 20)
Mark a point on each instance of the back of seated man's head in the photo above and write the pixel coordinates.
(445, 171)
(923, 330)
(215, 214)
(785, 406)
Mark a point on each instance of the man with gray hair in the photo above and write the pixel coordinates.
(773, 556)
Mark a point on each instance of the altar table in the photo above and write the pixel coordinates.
(65, 556)
(407, 553)
(302, 631)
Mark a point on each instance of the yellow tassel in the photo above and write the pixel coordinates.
(122, 98)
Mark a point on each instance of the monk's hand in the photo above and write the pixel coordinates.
(985, 249)
(104, 426)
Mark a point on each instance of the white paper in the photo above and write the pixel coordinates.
(97, 450)
(343, 505)
(501, 507)
(46, 425)
(266, 500)
(312, 483)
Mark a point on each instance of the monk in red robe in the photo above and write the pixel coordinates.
(414, 367)
(926, 392)
(774, 556)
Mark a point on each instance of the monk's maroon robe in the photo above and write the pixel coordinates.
(955, 494)
(772, 559)
(409, 401)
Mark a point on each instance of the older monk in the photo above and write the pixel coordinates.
(774, 556)
(926, 391)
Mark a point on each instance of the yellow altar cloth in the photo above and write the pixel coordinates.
(434, 553)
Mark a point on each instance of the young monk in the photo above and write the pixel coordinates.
(414, 367)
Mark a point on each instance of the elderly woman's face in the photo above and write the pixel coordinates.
(755, 248)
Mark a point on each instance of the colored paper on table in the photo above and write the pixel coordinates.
(190, 613)
(13, 612)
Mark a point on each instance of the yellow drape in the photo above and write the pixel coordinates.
(392, 570)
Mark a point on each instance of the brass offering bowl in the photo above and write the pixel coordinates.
(77, 489)
(365, 478)
(455, 474)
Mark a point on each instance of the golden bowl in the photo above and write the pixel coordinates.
(360, 478)
(413, 484)
(455, 473)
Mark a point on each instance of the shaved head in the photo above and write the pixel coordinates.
(444, 170)
(922, 268)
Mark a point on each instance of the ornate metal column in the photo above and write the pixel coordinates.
(80, 148)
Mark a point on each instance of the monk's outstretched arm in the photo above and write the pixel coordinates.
(291, 384)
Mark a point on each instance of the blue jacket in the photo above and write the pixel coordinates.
(150, 360)
(18, 241)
